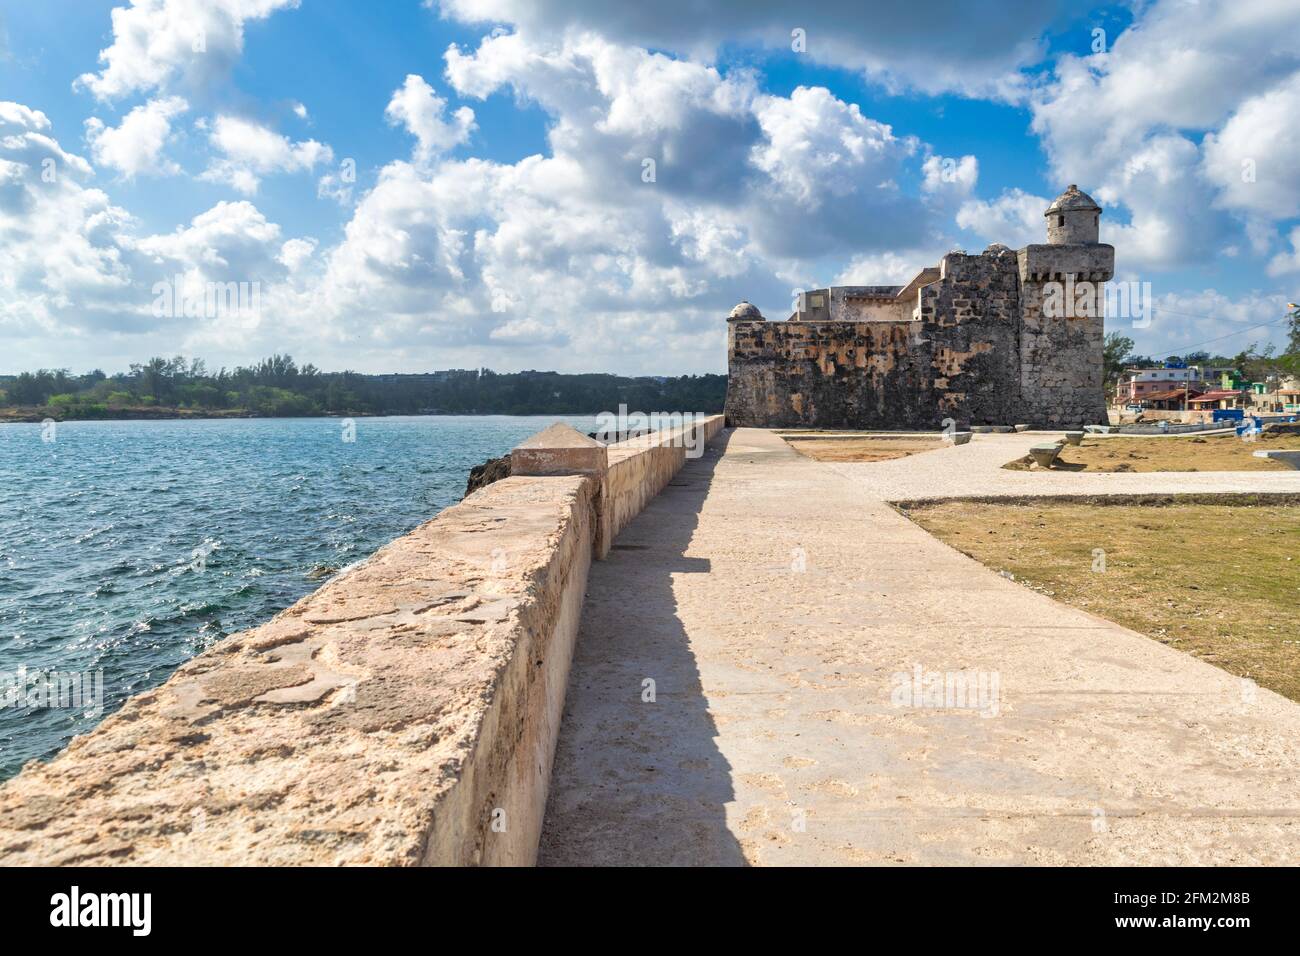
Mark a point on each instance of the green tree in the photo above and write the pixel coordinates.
(1114, 351)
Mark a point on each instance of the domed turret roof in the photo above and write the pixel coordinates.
(745, 310)
(1072, 198)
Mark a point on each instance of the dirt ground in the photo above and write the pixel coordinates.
(860, 448)
(1221, 582)
(1209, 453)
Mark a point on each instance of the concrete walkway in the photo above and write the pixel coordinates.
(773, 600)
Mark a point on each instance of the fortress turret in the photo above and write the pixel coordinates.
(1073, 218)
(745, 311)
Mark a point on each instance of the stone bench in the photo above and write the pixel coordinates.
(1045, 453)
(1074, 438)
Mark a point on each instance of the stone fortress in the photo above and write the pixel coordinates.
(1004, 337)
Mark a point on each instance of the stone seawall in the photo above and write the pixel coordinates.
(405, 713)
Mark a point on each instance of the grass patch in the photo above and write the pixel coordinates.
(1219, 581)
(1196, 453)
(880, 448)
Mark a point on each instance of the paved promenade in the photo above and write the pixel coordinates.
(773, 601)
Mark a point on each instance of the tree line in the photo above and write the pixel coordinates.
(278, 386)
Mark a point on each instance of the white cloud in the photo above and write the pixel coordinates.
(296, 252)
(950, 177)
(77, 280)
(1287, 262)
(1014, 219)
(817, 146)
(61, 239)
(488, 260)
(135, 146)
(1208, 320)
(417, 107)
(1126, 125)
(887, 268)
(1252, 159)
(157, 42)
(251, 150)
(974, 47)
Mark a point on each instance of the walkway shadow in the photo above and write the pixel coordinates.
(638, 776)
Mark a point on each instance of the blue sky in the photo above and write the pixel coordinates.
(500, 214)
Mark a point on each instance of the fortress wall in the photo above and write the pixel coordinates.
(960, 361)
(404, 713)
(971, 317)
(825, 374)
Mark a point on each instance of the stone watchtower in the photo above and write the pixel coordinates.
(1062, 298)
(1073, 219)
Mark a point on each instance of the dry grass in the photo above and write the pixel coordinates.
(861, 448)
(1221, 582)
(1209, 453)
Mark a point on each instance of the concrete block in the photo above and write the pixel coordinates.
(559, 450)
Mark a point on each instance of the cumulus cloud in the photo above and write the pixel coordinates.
(1127, 125)
(75, 272)
(887, 268)
(971, 47)
(1252, 159)
(950, 176)
(250, 151)
(1211, 320)
(135, 146)
(1014, 218)
(669, 192)
(417, 107)
(1287, 262)
(158, 42)
(61, 237)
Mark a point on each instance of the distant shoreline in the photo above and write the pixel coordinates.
(29, 417)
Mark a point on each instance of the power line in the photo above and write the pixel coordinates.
(1196, 345)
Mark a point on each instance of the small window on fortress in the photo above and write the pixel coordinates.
(1060, 220)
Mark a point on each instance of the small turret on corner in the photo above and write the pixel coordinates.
(745, 311)
(1073, 219)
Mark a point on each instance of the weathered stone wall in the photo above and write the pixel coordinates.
(405, 713)
(971, 319)
(828, 374)
(959, 361)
